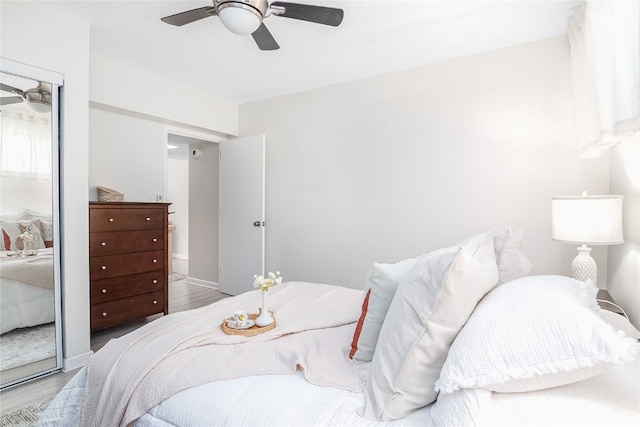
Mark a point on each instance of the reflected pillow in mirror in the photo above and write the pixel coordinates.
(11, 231)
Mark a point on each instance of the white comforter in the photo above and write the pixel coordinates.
(289, 399)
(23, 303)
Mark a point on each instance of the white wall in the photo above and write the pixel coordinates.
(18, 193)
(62, 46)
(126, 154)
(624, 260)
(178, 195)
(185, 103)
(390, 167)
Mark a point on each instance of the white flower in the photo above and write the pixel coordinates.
(262, 283)
(26, 237)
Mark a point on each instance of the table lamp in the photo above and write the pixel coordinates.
(586, 220)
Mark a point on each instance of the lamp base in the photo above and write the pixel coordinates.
(584, 266)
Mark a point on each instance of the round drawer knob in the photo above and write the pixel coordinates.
(147, 219)
(155, 261)
(103, 244)
(104, 267)
(155, 301)
(104, 314)
(154, 281)
(154, 239)
(110, 219)
(104, 291)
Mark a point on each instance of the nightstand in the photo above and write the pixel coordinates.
(606, 302)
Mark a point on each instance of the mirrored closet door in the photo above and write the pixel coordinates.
(30, 327)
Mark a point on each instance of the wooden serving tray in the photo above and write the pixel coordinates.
(249, 332)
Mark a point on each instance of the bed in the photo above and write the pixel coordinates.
(459, 336)
(26, 282)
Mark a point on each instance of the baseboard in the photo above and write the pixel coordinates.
(75, 362)
(200, 282)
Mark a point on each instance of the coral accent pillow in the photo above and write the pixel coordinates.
(432, 303)
(531, 334)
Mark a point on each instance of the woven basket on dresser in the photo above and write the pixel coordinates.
(108, 195)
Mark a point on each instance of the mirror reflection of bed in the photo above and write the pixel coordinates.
(27, 303)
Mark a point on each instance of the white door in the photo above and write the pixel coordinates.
(241, 220)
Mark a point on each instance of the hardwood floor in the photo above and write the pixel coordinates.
(182, 296)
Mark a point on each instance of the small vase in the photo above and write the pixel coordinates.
(265, 318)
(25, 251)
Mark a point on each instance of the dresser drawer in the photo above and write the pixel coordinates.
(104, 267)
(122, 242)
(126, 309)
(121, 287)
(113, 219)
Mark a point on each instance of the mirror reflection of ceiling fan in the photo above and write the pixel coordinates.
(37, 98)
(246, 17)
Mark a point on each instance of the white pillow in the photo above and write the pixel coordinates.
(383, 280)
(534, 333)
(619, 323)
(512, 263)
(431, 305)
(381, 285)
(14, 215)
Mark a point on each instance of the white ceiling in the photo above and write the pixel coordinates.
(376, 37)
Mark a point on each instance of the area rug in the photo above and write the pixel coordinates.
(26, 416)
(27, 345)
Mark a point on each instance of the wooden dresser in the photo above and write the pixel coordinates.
(128, 247)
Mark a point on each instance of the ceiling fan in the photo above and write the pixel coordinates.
(245, 17)
(37, 98)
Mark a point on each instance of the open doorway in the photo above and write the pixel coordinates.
(177, 172)
(192, 189)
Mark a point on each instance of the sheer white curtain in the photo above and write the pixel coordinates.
(605, 38)
(25, 145)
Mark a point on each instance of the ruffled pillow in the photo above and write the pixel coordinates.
(531, 334)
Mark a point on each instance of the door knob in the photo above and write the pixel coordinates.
(256, 223)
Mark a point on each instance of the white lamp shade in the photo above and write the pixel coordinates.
(593, 220)
(238, 20)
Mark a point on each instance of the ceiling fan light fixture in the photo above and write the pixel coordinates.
(242, 17)
(38, 106)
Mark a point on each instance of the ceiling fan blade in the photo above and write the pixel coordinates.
(10, 100)
(264, 39)
(10, 89)
(190, 16)
(318, 14)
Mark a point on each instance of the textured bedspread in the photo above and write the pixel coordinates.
(33, 270)
(132, 374)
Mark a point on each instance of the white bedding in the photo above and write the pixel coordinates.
(22, 304)
(289, 400)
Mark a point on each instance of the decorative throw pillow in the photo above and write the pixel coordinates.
(381, 285)
(432, 303)
(534, 333)
(11, 231)
(47, 233)
(10, 216)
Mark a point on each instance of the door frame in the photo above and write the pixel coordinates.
(201, 136)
